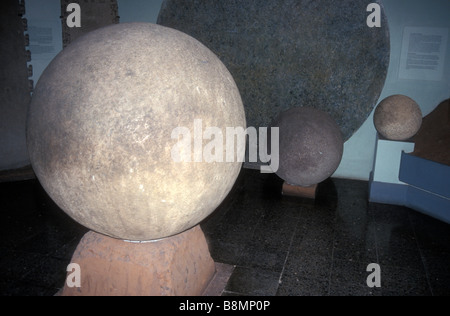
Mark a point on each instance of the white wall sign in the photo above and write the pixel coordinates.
(423, 53)
(45, 44)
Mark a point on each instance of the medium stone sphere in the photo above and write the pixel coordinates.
(311, 146)
(398, 118)
(100, 131)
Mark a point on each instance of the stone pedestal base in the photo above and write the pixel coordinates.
(297, 191)
(175, 266)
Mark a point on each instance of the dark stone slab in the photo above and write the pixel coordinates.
(292, 53)
(95, 14)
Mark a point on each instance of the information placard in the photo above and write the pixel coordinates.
(423, 53)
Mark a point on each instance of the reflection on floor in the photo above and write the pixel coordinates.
(278, 245)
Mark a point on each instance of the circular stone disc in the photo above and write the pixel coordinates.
(289, 53)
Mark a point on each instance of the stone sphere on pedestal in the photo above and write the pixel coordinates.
(398, 118)
(311, 146)
(100, 130)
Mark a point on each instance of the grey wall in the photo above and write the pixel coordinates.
(139, 10)
(14, 87)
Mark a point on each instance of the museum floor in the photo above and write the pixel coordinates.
(277, 245)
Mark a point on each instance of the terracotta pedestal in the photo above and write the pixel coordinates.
(175, 266)
(297, 191)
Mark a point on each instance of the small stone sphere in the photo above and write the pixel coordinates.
(398, 118)
(101, 131)
(311, 146)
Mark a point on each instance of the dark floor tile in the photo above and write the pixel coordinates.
(317, 240)
(243, 215)
(440, 284)
(437, 266)
(15, 232)
(390, 214)
(354, 251)
(308, 265)
(356, 217)
(395, 236)
(294, 285)
(275, 218)
(19, 196)
(397, 281)
(23, 288)
(300, 213)
(31, 274)
(350, 210)
(323, 215)
(275, 230)
(408, 258)
(238, 224)
(436, 262)
(348, 273)
(8, 286)
(253, 281)
(49, 272)
(228, 293)
(280, 239)
(53, 242)
(17, 265)
(431, 234)
(301, 230)
(239, 233)
(41, 227)
(355, 245)
(259, 255)
(351, 289)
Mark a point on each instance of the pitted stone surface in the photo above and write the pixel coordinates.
(398, 118)
(291, 53)
(311, 146)
(100, 130)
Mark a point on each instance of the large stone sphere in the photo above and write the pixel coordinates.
(101, 123)
(398, 118)
(311, 146)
